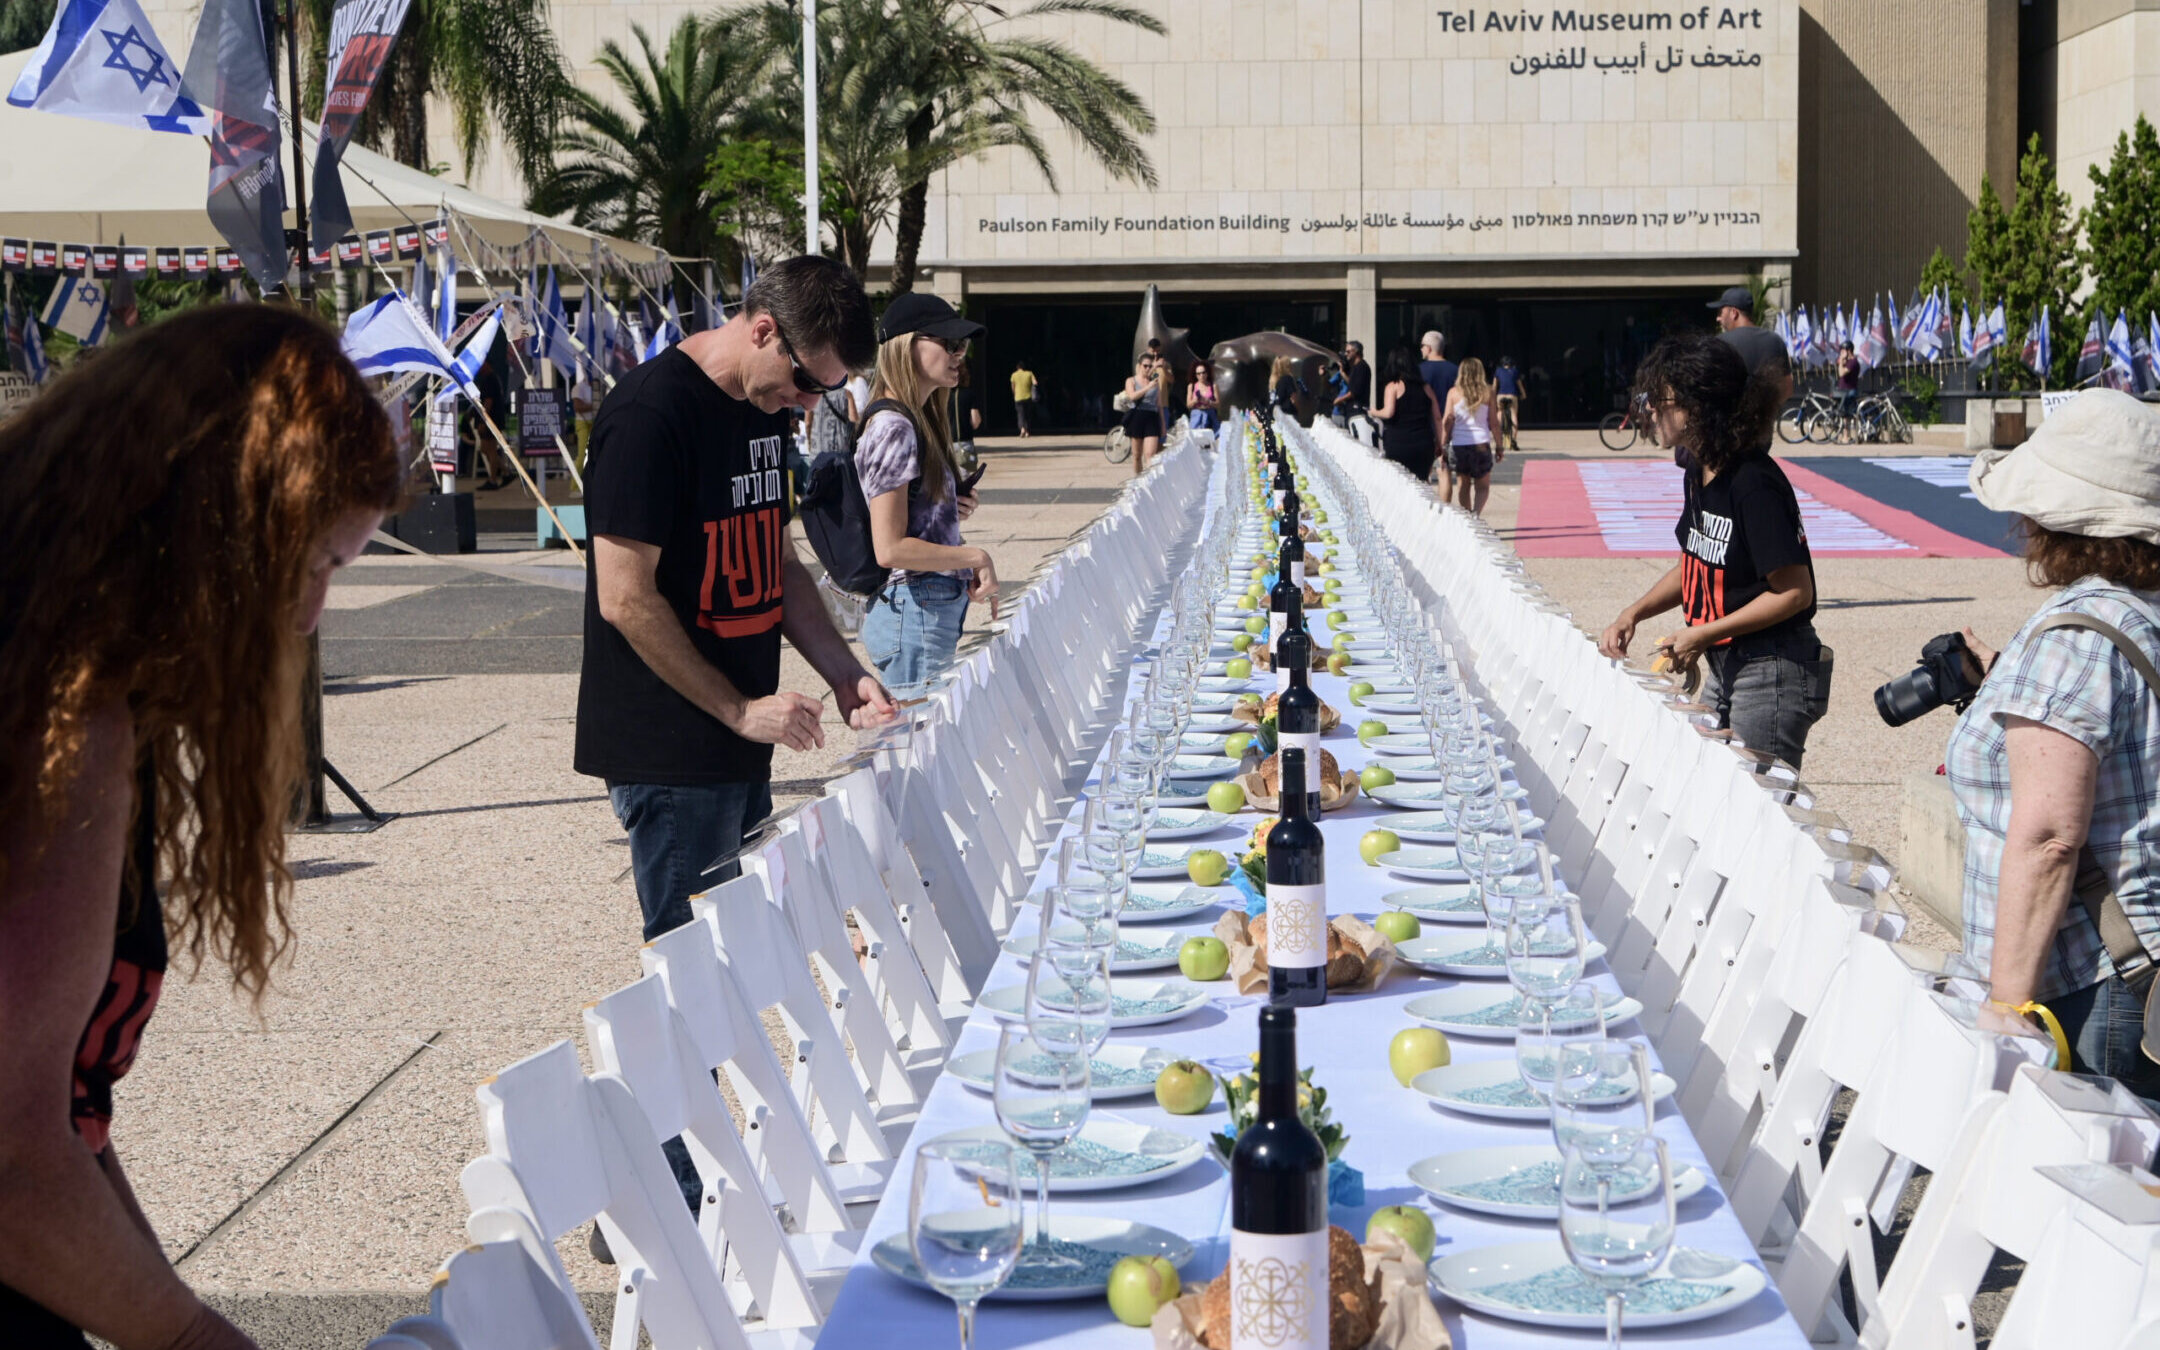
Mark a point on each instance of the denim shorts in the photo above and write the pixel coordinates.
(1470, 461)
(913, 629)
(1771, 692)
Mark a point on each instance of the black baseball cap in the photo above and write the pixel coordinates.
(927, 315)
(1736, 297)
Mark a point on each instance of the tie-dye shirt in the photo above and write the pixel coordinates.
(887, 458)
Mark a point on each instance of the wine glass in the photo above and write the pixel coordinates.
(1617, 1222)
(1602, 1101)
(965, 1221)
(1507, 875)
(1545, 946)
(1042, 1102)
(1069, 1000)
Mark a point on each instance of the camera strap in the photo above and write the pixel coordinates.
(2093, 888)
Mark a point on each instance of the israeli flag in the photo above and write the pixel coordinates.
(667, 333)
(555, 341)
(78, 307)
(392, 335)
(465, 371)
(33, 344)
(102, 60)
(2121, 357)
(446, 320)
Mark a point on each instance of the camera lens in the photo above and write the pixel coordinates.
(1909, 696)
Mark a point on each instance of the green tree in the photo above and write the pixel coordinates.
(1987, 244)
(756, 190)
(494, 63)
(954, 79)
(1940, 274)
(637, 166)
(2122, 227)
(2039, 266)
(23, 23)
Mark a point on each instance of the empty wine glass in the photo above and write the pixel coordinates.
(1042, 1102)
(1069, 1000)
(1617, 1222)
(965, 1221)
(1602, 1101)
(1545, 947)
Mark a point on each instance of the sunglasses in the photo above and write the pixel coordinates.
(804, 380)
(955, 346)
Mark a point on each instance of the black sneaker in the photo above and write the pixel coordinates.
(597, 1245)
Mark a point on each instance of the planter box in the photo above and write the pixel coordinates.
(441, 522)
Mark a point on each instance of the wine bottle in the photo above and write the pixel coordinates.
(1292, 545)
(1283, 484)
(1280, 596)
(1278, 1210)
(1296, 888)
(1293, 621)
(1297, 707)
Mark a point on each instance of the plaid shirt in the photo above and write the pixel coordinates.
(2075, 681)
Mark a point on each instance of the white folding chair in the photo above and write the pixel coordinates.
(419, 1333)
(949, 955)
(895, 974)
(2095, 1279)
(508, 1291)
(564, 1150)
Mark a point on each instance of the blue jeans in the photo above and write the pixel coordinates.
(2104, 1023)
(676, 834)
(913, 629)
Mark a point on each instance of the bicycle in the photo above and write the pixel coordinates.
(1797, 414)
(1117, 446)
(1620, 430)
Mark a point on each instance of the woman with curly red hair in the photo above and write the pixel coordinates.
(170, 515)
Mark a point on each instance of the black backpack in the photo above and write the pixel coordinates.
(836, 516)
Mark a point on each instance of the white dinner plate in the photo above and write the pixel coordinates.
(1517, 1182)
(1391, 703)
(1179, 823)
(1163, 863)
(1534, 1282)
(1190, 767)
(1398, 743)
(1222, 725)
(1156, 902)
(1120, 1069)
(1110, 1154)
(1362, 645)
(1138, 949)
(1493, 1089)
(1096, 1243)
(1454, 902)
(1466, 955)
(1384, 688)
(1428, 863)
(1202, 742)
(1136, 1001)
(1482, 1011)
(1419, 827)
(1223, 684)
(1418, 795)
(1213, 703)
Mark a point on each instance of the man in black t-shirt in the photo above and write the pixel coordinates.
(1760, 348)
(1358, 376)
(1439, 373)
(693, 580)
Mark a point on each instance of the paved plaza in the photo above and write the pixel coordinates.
(302, 1164)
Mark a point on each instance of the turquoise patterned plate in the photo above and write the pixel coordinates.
(1535, 1282)
(1134, 1001)
(1190, 768)
(1522, 1182)
(1483, 1011)
(1491, 1088)
(1162, 864)
(1137, 949)
(1426, 864)
(1111, 1154)
(1454, 903)
(1119, 1069)
(1467, 955)
(1095, 1244)
(1418, 795)
(1186, 824)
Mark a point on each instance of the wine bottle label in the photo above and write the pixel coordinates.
(1278, 1291)
(1297, 572)
(1278, 501)
(1282, 677)
(1296, 925)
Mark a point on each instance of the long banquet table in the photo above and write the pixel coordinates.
(1390, 1127)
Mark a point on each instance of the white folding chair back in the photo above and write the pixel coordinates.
(2095, 1280)
(417, 1333)
(895, 975)
(955, 957)
(564, 1150)
(508, 1291)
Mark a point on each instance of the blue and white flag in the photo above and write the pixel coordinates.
(2121, 372)
(465, 371)
(554, 341)
(34, 363)
(101, 60)
(667, 333)
(390, 335)
(78, 307)
(1998, 328)
(446, 319)
(1966, 336)
(1927, 337)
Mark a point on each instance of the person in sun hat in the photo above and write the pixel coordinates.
(2055, 766)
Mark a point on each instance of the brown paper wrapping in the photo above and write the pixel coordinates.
(1250, 975)
(1258, 797)
(1408, 1320)
(1255, 713)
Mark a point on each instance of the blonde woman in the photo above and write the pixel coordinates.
(911, 479)
(1466, 430)
(1147, 395)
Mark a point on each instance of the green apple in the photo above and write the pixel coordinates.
(1378, 842)
(1338, 663)
(1333, 586)
(1370, 728)
(1242, 642)
(1246, 602)
(1141, 1284)
(1414, 1226)
(1319, 517)
(1326, 567)
(1206, 867)
(1397, 926)
(1337, 619)
(1203, 958)
(1235, 748)
(1238, 668)
(1340, 644)
(1228, 798)
(1358, 692)
(1416, 1049)
(1248, 700)
(1375, 776)
(1256, 625)
(1328, 537)
(1257, 573)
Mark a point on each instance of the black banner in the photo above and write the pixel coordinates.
(543, 416)
(228, 71)
(362, 33)
(135, 262)
(74, 258)
(14, 255)
(168, 262)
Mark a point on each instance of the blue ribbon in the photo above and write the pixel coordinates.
(1255, 900)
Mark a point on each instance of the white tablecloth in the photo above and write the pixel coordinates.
(1390, 1127)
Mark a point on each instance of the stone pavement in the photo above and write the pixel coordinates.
(301, 1162)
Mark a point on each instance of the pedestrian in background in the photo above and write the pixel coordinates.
(1507, 400)
(1358, 376)
(1409, 416)
(1023, 391)
(1147, 393)
(911, 478)
(1201, 400)
(1439, 376)
(216, 469)
(1466, 430)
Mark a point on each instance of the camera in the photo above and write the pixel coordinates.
(1948, 673)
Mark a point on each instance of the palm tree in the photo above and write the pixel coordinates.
(496, 64)
(639, 170)
(910, 87)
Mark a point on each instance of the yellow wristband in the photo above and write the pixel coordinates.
(2054, 1028)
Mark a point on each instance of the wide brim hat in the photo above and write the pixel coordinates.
(2093, 468)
